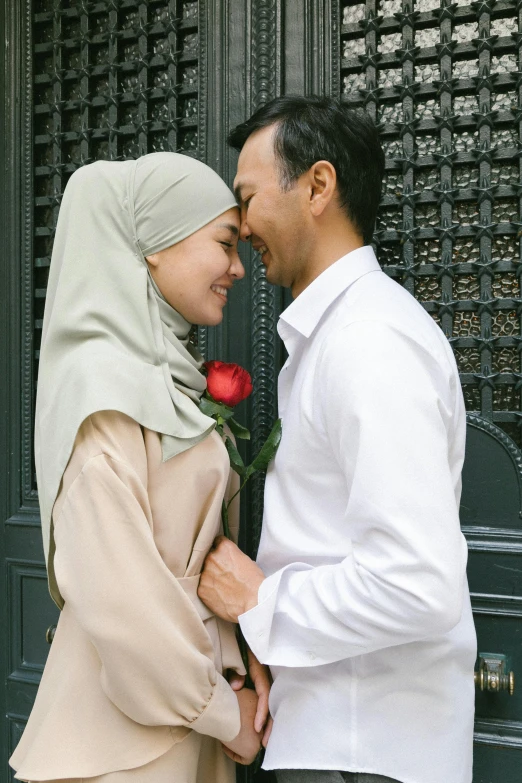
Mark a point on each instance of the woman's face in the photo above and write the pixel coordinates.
(196, 274)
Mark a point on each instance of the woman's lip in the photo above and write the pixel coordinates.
(223, 298)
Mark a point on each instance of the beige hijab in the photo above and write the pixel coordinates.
(110, 340)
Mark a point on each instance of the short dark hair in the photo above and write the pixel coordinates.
(310, 129)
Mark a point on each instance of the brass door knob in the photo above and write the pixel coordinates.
(493, 675)
(49, 634)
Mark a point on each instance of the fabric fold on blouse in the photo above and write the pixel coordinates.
(134, 666)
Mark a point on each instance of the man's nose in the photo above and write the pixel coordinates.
(244, 231)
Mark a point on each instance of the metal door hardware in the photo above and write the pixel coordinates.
(493, 674)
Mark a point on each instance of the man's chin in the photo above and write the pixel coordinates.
(271, 275)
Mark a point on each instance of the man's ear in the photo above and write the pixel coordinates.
(323, 184)
(153, 259)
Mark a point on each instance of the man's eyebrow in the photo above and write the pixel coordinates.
(231, 227)
(238, 190)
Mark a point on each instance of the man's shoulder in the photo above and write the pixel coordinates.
(377, 312)
(376, 298)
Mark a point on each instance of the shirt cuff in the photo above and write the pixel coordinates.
(272, 638)
(220, 718)
(255, 624)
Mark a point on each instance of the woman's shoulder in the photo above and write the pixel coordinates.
(115, 435)
(110, 438)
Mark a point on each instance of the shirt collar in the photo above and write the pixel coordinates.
(307, 309)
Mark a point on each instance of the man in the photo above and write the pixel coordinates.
(359, 600)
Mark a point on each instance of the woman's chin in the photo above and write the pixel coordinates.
(210, 320)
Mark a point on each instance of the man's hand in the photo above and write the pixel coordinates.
(262, 681)
(230, 581)
(245, 747)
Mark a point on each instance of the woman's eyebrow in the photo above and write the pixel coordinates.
(231, 227)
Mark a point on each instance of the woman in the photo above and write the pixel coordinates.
(131, 478)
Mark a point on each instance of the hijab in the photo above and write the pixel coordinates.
(110, 341)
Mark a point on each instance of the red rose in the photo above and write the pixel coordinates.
(228, 383)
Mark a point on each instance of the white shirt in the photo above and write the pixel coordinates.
(365, 617)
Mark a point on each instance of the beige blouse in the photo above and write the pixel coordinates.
(137, 659)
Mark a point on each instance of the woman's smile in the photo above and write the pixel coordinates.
(221, 291)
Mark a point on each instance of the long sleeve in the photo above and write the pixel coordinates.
(156, 656)
(386, 408)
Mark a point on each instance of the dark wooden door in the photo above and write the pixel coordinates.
(84, 80)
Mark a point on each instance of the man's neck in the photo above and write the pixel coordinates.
(327, 252)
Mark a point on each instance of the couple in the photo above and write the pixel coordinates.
(358, 602)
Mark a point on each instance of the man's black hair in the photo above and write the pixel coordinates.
(310, 129)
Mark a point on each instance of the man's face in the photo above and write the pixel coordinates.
(274, 220)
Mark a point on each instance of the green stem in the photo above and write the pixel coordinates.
(224, 517)
(239, 490)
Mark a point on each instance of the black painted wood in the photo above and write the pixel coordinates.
(491, 511)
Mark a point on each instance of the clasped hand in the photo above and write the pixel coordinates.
(229, 586)
(256, 723)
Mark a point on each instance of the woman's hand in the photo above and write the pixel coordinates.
(245, 747)
(235, 680)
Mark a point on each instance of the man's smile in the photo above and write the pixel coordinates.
(263, 251)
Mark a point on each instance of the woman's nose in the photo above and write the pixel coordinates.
(237, 270)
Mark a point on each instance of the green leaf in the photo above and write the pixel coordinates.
(236, 460)
(238, 429)
(269, 448)
(214, 409)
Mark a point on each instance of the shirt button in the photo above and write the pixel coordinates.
(312, 656)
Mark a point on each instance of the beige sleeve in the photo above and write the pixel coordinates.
(156, 656)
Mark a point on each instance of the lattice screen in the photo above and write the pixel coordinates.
(444, 82)
(112, 80)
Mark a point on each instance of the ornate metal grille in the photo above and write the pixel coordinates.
(444, 82)
(112, 80)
